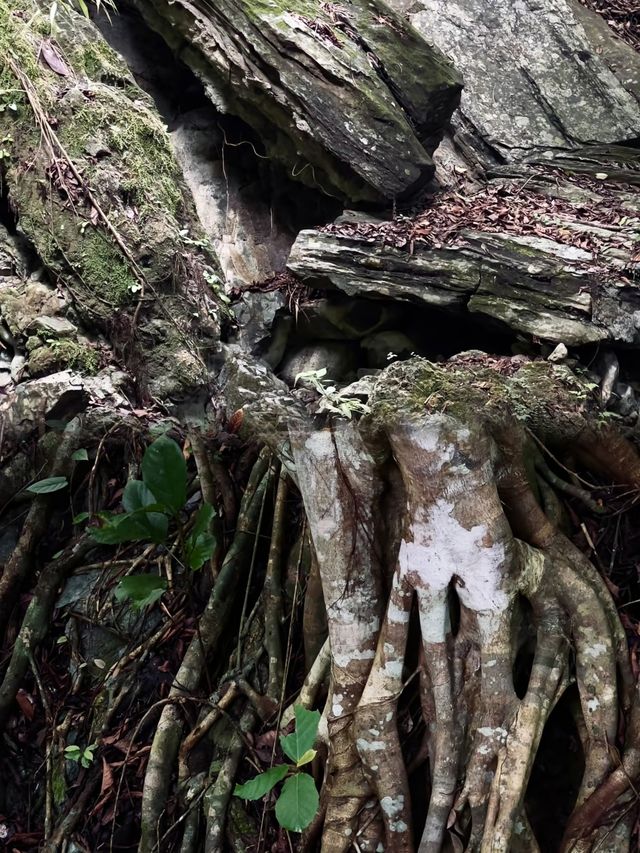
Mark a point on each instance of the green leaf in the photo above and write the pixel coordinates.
(80, 455)
(297, 805)
(136, 495)
(309, 755)
(303, 738)
(140, 590)
(83, 7)
(200, 544)
(52, 16)
(118, 529)
(45, 487)
(311, 374)
(142, 505)
(203, 520)
(132, 527)
(260, 785)
(164, 472)
(198, 552)
(80, 517)
(73, 752)
(156, 525)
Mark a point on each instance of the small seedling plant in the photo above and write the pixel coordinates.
(152, 506)
(80, 755)
(297, 803)
(332, 398)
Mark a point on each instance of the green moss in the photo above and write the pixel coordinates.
(98, 61)
(135, 180)
(497, 390)
(167, 348)
(64, 354)
(148, 174)
(58, 782)
(20, 44)
(104, 270)
(81, 357)
(16, 35)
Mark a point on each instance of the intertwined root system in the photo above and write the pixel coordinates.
(473, 585)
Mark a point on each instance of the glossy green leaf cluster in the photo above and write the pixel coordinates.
(150, 506)
(297, 804)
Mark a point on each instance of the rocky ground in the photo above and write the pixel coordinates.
(198, 203)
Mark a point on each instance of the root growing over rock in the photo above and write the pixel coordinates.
(472, 584)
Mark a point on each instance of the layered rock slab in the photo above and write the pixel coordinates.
(350, 98)
(558, 262)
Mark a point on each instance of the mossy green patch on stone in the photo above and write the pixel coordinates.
(104, 270)
(92, 177)
(495, 390)
(64, 354)
(99, 61)
(148, 178)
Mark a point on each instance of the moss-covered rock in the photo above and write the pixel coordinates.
(22, 302)
(549, 398)
(97, 190)
(64, 354)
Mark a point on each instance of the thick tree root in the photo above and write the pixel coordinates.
(456, 543)
(337, 477)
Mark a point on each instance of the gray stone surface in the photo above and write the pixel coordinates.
(55, 325)
(270, 409)
(249, 242)
(338, 358)
(258, 333)
(539, 74)
(350, 98)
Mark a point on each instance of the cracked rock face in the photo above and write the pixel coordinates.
(351, 98)
(559, 88)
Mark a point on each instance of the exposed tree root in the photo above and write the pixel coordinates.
(19, 565)
(457, 542)
(212, 624)
(337, 477)
(428, 535)
(35, 624)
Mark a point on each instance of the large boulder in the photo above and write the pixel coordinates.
(89, 170)
(539, 74)
(349, 98)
